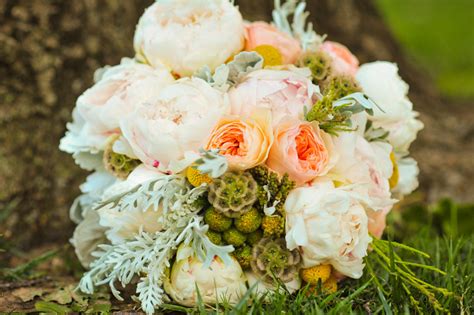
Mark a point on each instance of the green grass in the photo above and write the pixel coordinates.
(436, 278)
(383, 294)
(440, 35)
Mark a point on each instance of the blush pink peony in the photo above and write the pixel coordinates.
(285, 93)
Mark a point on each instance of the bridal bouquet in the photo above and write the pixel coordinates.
(229, 155)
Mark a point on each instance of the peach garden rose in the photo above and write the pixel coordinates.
(244, 142)
(299, 150)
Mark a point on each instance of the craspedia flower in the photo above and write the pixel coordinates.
(233, 194)
(328, 287)
(118, 164)
(254, 237)
(318, 62)
(216, 220)
(214, 237)
(273, 226)
(244, 256)
(271, 258)
(196, 178)
(249, 222)
(393, 181)
(271, 55)
(314, 274)
(234, 237)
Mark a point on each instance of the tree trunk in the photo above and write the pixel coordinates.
(50, 49)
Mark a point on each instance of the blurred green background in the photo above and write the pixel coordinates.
(438, 34)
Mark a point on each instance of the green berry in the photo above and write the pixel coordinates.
(244, 256)
(216, 220)
(254, 237)
(273, 226)
(234, 237)
(214, 237)
(249, 222)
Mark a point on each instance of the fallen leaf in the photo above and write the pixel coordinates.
(27, 294)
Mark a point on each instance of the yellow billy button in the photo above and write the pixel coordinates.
(330, 285)
(314, 274)
(393, 181)
(271, 55)
(196, 178)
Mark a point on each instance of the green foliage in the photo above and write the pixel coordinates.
(272, 191)
(334, 119)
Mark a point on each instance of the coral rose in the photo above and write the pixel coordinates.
(244, 142)
(343, 61)
(299, 150)
(261, 33)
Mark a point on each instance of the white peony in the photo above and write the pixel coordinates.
(381, 82)
(99, 109)
(187, 35)
(366, 166)
(92, 190)
(219, 282)
(87, 236)
(124, 225)
(329, 226)
(178, 122)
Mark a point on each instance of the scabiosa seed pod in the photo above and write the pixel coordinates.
(118, 164)
(233, 194)
(318, 62)
(271, 258)
(338, 86)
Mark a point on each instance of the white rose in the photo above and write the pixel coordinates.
(124, 225)
(381, 82)
(187, 35)
(99, 109)
(329, 226)
(219, 282)
(177, 122)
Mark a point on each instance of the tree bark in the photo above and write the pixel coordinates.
(50, 49)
